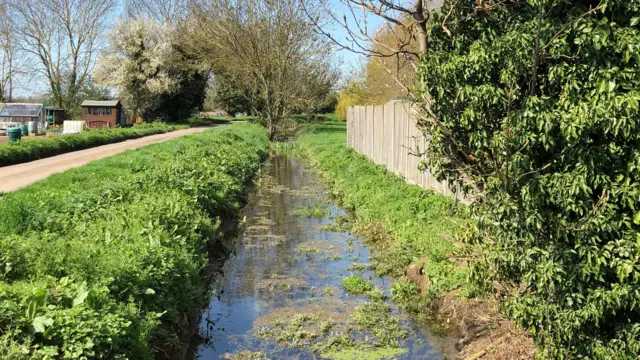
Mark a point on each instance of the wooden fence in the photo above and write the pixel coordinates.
(388, 136)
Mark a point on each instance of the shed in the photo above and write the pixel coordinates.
(102, 113)
(55, 115)
(15, 114)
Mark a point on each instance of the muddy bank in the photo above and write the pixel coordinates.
(282, 293)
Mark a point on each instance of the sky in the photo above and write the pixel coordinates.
(349, 61)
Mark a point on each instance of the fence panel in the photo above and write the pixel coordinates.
(388, 135)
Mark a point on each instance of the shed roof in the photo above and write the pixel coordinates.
(20, 110)
(109, 103)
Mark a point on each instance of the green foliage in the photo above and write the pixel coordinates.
(226, 96)
(550, 138)
(417, 220)
(403, 291)
(356, 284)
(34, 149)
(107, 260)
(196, 121)
(183, 101)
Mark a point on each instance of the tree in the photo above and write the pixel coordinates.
(534, 108)
(63, 36)
(392, 77)
(11, 64)
(266, 48)
(393, 50)
(138, 64)
(162, 11)
(355, 93)
(228, 97)
(152, 74)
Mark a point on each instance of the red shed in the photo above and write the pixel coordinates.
(102, 113)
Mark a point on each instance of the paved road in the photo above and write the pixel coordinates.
(16, 176)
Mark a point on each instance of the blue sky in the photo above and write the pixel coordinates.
(348, 61)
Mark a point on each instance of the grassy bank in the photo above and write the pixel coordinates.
(34, 149)
(411, 231)
(107, 260)
(420, 221)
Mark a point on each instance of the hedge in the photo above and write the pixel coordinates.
(536, 104)
(34, 149)
(107, 260)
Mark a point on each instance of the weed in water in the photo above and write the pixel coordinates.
(364, 354)
(356, 284)
(376, 295)
(317, 212)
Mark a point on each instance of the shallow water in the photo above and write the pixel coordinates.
(284, 265)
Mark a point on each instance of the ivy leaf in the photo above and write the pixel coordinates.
(41, 323)
(636, 218)
(150, 292)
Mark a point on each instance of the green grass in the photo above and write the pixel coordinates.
(408, 222)
(108, 260)
(34, 149)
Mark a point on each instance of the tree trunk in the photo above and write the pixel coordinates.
(418, 15)
(272, 130)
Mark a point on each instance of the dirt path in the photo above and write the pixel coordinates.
(16, 176)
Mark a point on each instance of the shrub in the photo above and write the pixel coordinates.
(34, 149)
(108, 260)
(548, 135)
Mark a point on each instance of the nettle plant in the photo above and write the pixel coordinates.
(532, 106)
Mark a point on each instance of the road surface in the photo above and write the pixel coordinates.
(16, 176)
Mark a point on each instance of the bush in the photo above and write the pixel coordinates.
(549, 137)
(34, 149)
(108, 260)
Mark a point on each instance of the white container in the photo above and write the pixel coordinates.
(74, 126)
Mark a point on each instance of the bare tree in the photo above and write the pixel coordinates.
(169, 11)
(393, 48)
(267, 48)
(9, 61)
(63, 36)
(401, 18)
